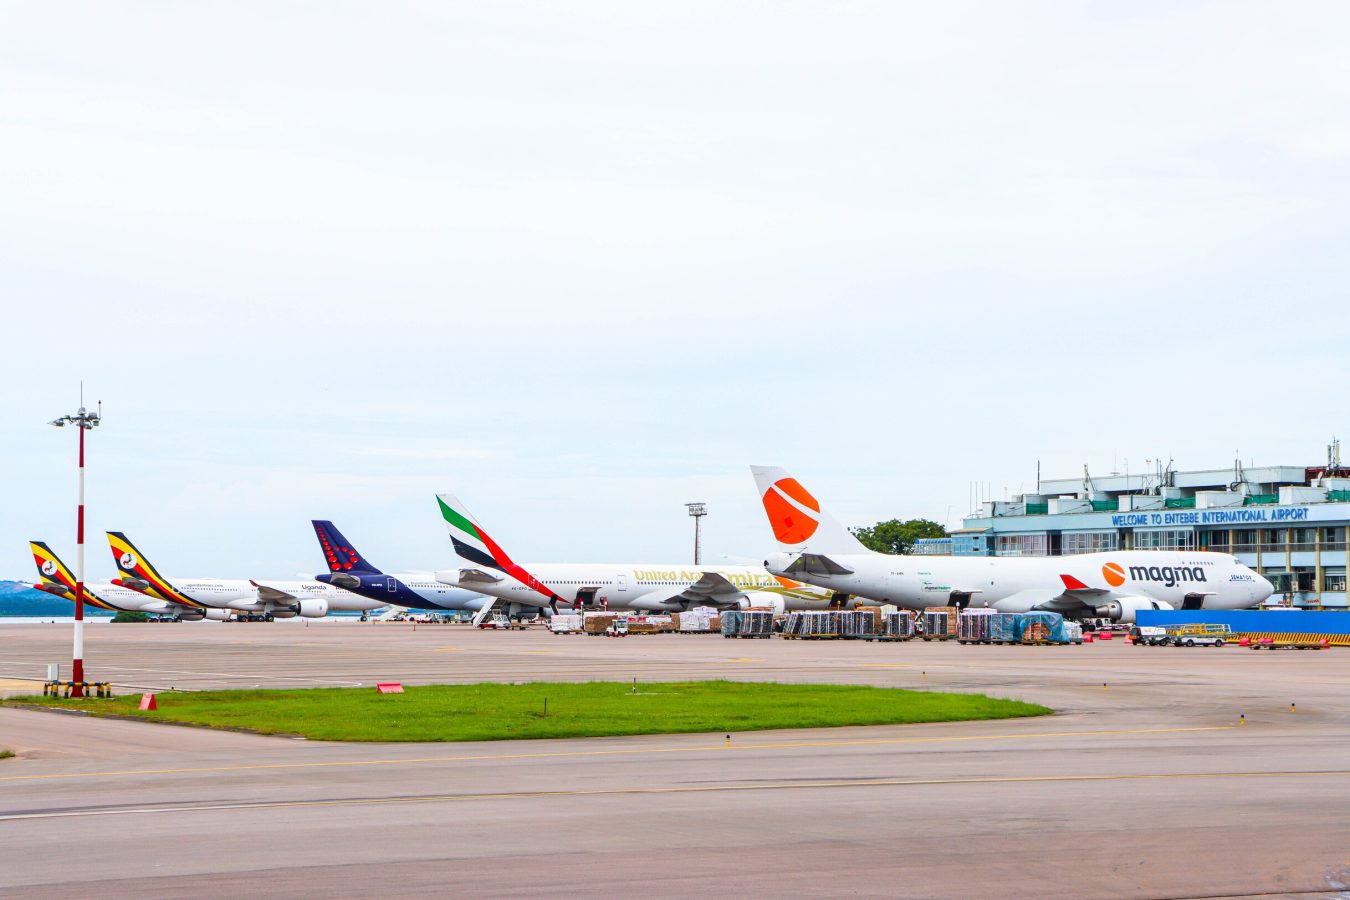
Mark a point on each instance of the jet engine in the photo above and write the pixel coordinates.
(313, 608)
(217, 615)
(763, 600)
(1124, 609)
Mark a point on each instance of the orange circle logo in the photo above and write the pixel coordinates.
(791, 524)
(1114, 573)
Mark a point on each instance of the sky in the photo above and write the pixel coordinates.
(583, 263)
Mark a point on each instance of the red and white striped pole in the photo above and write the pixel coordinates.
(77, 658)
(83, 421)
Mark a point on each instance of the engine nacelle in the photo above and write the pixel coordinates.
(313, 608)
(1124, 609)
(763, 600)
(217, 615)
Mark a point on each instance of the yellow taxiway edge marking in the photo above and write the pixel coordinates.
(700, 789)
(632, 751)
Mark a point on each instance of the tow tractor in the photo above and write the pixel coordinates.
(1195, 635)
(1149, 636)
(502, 621)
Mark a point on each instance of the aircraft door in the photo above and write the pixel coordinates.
(391, 584)
(621, 583)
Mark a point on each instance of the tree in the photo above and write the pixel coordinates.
(895, 536)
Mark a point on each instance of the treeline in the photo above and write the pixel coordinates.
(895, 536)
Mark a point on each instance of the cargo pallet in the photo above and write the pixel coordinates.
(1289, 645)
(886, 637)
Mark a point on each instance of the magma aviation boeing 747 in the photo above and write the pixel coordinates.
(650, 587)
(278, 599)
(818, 550)
(351, 571)
(57, 579)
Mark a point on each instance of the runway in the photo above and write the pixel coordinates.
(1144, 785)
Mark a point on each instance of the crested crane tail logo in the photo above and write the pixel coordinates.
(793, 512)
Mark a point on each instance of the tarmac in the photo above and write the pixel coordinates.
(1143, 784)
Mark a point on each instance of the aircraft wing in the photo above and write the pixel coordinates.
(816, 564)
(273, 595)
(1075, 588)
(1045, 599)
(478, 576)
(713, 589)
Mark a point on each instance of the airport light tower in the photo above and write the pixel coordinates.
(698, 511)
(84, 421)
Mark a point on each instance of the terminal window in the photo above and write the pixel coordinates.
(1333, 538)
(1075, 542)
(1020, 545)
(1165, 539)
(1333, 580)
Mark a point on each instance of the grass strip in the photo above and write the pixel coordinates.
(494, 711)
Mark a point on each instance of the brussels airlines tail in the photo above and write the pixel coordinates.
(338, 552)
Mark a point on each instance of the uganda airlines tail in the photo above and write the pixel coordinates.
(137, 573)
(338, 552)
(56, 578)
(474, 545)
(797, 519)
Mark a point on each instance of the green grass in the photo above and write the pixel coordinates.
(487, 712)
(6, 754)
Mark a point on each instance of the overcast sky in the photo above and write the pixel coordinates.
(584, 262)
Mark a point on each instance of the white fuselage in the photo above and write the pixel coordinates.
(1082, 583)
(650, 587)
(128, 600)
(242, 595)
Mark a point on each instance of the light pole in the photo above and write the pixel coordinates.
(84, 421)
(698, 511)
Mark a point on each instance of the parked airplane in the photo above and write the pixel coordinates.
(278, 599)
(416, 590)
(1115, 585)
(652, 587)
(58, 580)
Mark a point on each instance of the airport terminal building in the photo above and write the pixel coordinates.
(1287, 522)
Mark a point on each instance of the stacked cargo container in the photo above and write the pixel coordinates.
(939, 623)
(973, 626)
(900, 625)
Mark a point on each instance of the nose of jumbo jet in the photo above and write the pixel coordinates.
(1262, 588)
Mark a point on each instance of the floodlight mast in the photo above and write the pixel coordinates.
(84, 421)
(698, 511)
